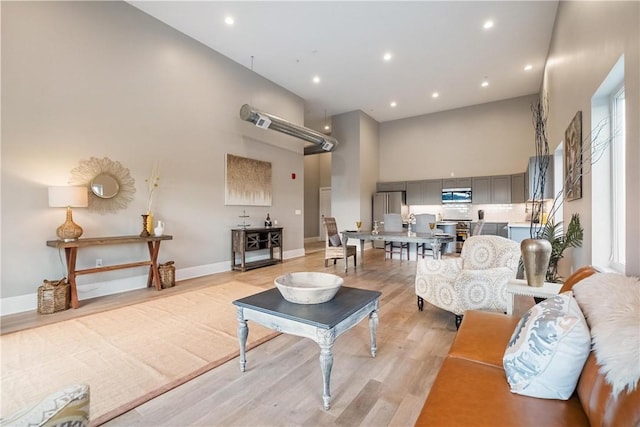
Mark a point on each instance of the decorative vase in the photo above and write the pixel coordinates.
(159, 228)
(145, 226)
(536, 254)
(150, 222)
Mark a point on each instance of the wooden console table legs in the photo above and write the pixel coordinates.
(71, 254)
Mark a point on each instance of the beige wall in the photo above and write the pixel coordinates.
(588, 39)
(488, 139)
(103, 79)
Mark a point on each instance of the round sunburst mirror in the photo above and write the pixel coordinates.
(110, 184)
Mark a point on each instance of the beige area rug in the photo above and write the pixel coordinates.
(128, 355)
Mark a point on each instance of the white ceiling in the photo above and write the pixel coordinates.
(436, 47)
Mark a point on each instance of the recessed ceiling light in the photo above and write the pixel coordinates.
(387, 56)
(229, 20)
(316, 79)
(528, 67)
(487, 24)
(485, 83)
(393, 104)
(435, 95)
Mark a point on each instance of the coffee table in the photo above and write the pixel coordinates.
(323, 323)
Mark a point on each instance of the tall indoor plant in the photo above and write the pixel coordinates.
(553, 233)
(536, 251)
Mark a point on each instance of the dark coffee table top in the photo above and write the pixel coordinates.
(326, 315)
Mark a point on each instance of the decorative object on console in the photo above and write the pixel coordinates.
(153, 182)
(244, 216)
(112, 187)
(247, 181)
(159, 230)
(267, 222)
(145, 226)
(548, 349)
(560, 241)
(68, 197)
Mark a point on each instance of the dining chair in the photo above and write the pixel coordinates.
(422, 226)
(334, 247)
(393, 224)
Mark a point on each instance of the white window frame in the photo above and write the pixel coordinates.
(618, 199)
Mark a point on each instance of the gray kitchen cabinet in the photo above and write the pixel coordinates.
(501, 189)
(456, 183)
(491, 189)
(424, 192)
(391, 186)
(481, 190)
(531, 178)
(518, 188)
(493, 229)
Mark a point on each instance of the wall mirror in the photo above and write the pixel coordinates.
(105, 186)
(110, 184)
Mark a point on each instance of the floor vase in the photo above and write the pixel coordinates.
(536, 254)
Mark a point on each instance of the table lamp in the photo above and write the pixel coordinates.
(68, 197)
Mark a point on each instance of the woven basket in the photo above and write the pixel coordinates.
(167, 274)
(54, 295)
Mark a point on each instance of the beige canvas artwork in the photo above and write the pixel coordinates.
(247, 181)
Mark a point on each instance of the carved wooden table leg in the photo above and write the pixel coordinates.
(326, 338)
(373, 328)
(243, 333)
(154, 273)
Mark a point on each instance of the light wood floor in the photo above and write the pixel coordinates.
(283, 383)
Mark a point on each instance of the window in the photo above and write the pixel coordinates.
(608, 172)
(617, 147)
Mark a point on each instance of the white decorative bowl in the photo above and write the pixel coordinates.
(308, 287)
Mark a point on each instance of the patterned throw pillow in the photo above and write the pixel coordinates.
(548, 349)
(335, 240)
(67, 407)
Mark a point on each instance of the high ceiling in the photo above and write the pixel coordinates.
(435, 47)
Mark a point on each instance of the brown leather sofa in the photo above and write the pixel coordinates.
(471, 387)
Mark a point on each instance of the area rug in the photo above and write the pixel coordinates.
(127, 355)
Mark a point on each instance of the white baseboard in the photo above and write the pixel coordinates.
(29, 302)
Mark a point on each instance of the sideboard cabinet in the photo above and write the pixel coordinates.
(244, 240)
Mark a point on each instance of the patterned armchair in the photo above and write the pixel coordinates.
(334, 248)
(474, 281)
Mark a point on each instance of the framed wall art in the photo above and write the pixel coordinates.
(247, 181)
(573, 159)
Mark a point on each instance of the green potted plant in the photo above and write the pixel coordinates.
(553, 232)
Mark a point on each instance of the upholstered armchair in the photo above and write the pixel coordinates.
(474, 281)
(334, 247)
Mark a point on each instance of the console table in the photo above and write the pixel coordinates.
(71, 253)
(245, 240)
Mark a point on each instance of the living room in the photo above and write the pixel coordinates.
(82, 80)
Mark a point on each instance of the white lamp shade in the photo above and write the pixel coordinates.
(62, 197)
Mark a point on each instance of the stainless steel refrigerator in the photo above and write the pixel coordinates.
(387, 202)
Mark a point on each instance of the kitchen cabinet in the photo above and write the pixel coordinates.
(391, 186)
(493, 229)
(491, 189)
(456, 183)
(501, 189)
(531, 178)
(481, 190)
(518, 188)
(425, 192)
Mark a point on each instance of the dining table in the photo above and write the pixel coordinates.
(437, 241)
